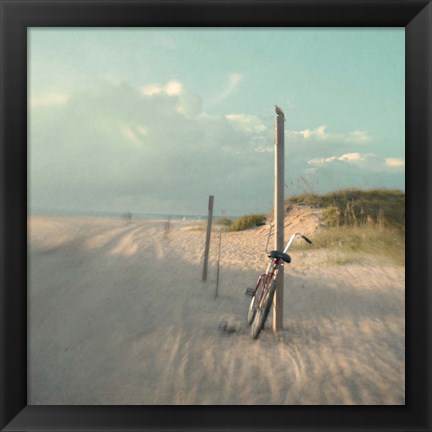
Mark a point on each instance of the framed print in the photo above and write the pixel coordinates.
(144, 147)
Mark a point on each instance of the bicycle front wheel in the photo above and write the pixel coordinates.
(253, 303)
(263, 310)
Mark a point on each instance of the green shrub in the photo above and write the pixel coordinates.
(331, 216)
(223, 221)
(248, 221)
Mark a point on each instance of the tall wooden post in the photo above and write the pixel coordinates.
(208, 235)
(279, 214)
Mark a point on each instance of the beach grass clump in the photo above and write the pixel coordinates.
(360, 241)
(224, 221)
(384, 208)
(247, 221)
(221, 223)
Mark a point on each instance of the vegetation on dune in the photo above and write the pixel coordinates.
(358, 222)
(353, 207)
(239, 224)
(224, 221)
(248, 221)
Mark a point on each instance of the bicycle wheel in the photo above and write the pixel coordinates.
(254, 300)
(263, 310)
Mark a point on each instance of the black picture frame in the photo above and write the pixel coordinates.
(18, 15)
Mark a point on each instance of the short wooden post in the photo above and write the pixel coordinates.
(167, 227)
(279, 215)
(208, 235)
(218, 264)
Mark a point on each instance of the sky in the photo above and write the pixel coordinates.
(155, 120)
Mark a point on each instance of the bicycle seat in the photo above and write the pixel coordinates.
(280, 255)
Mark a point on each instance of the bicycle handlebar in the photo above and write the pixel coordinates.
(292, 239)
(289, 241)
(305, 238)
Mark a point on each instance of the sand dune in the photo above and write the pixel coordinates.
(118, 315)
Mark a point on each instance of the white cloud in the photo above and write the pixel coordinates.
(171, 88)
(246, 123)
(152, 89)
(263, 149)
(142, 130)
(320, 161)
(134, 134)
(367, 161)
(234, 80)
(358, 137)
(394, 162)
(320, 134)
(352, 157)
(48, 100)
(187, 104)
(128, 133)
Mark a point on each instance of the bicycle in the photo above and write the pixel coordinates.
(262, 295)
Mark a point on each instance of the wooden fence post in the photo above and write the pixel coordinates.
(208, 235)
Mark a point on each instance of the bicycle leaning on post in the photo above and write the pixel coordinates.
(263, 293)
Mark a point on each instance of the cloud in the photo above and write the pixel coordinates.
(171, 88)
(322, 160)
(154, 150)
(350, 158)
(129, 133)
(187, 103)
(394, 162)
(320, 134)
(134, 134)
(48, 100)
(368, 162)
(234, 80)
(358, 137)
(347, 157)
(150, 149)
(142, 130)
(246, 123)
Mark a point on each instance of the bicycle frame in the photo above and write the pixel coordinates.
(270, 274)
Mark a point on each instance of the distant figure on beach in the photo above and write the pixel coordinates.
(127, 216)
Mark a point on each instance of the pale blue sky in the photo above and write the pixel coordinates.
(155, 120)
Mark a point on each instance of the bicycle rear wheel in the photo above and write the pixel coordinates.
(253, 303)
(263, 309)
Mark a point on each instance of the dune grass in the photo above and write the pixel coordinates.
(248, 221)
(240, 224)
(355, 207)
(220, 223)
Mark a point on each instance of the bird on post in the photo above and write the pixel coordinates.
(279, 111)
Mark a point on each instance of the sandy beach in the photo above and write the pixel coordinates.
(118, 314)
